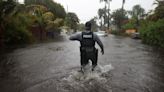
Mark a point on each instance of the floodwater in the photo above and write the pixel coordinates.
(127, 66)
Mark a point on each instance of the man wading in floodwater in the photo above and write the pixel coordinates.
(87, 49)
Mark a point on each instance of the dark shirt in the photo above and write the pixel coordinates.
(78, 37)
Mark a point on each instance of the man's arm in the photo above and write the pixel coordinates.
(97, 39)
(76, 36)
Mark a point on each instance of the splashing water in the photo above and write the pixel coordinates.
(90, 81)
(88, 74)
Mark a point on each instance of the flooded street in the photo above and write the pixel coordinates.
(127, 66)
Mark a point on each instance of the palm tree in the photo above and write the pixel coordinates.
(123, 2)
(100, 14)
(159, 10)
(107, 2)
(137, 13)
(103, 17)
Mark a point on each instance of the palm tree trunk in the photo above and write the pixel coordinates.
(123, 2)
(108, 13)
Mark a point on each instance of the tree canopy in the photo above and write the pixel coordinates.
(102, 13)
(72, 20)
(137, 12)
(54, 7)
(158, 12)
(119, 17)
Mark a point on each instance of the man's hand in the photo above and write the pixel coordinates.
(102, 51)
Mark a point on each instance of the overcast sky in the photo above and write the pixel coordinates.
(87, 9)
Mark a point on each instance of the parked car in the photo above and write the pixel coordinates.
(101, 33)
(135, 35)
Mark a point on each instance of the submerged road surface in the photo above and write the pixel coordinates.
(126, 66)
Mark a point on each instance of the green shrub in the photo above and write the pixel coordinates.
(130, 25)
(153, 33)
(16, 31)
(115, 32)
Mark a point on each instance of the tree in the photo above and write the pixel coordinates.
(152, 28)
(72, 20)
(44, 18)
(81, 27)
(103, 17)
(137, 13)
(6, 10)
(107, 2)
(100, 14)
(13, 23)
(56, 8)
(158, 12)
(123, 2)
(119, 18)
(94, 24)
(38, 11)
